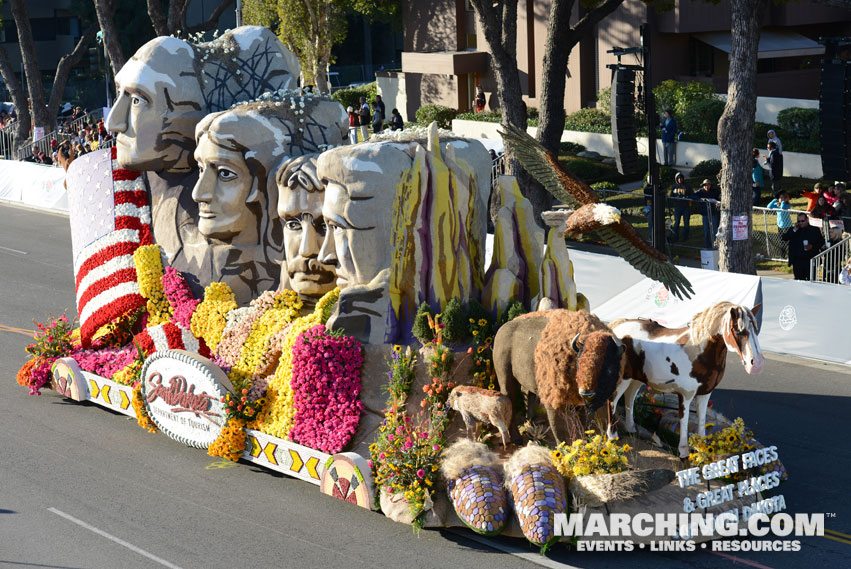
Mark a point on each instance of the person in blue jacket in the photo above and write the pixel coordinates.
(669, 138)
(758, 176)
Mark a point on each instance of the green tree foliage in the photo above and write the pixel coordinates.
(421, 330)
(454, 320)
(311, 28)
(701, 117)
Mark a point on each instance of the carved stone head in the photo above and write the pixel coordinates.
(170, 84)
(300, 199)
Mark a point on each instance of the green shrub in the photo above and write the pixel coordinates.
(351, 97)
(443, 116)
(454, 321)
(570, 148)
(589, 120)
(702, 117)
(421, 329)
(707, 169)
(604, 186)
(604, 100)
(678, 97)
(585, 169)
(803, 123)
(532, 113)
(484, 116)
(512, 311)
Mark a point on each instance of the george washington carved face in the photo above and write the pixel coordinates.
(158, 105)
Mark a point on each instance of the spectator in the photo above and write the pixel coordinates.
(381, 107)
(772, 137)
(845, 275)
(710, 197)
(813, 196)
(354, 123)
(669, 138)
(774, 162)
(823, 210)
(396, 122)
(377, 122)
(781, 202)
(54, 144)
(365, 118)
(843, 210)
(805, 242)
(681, 193)
(832, 194)
(479, 100)
(758, 178)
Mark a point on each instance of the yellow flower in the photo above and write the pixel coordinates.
(590, 432)
(626, 448)
(483, 322)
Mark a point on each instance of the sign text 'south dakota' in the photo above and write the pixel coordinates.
(692, 525)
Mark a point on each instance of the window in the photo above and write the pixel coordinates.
(44, 29)
(701, 60)
(472, 41)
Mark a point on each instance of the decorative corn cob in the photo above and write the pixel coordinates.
(538, 493)
(475, 486)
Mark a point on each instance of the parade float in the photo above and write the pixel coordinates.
(249, 283)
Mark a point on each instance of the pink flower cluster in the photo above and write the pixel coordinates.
(40, 375)
(326, 384)
(105, 361)
(179, 296)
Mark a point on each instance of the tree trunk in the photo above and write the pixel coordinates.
(31, 67)
(105, 10)
(158, 19)
(561, 39)
(19, 98)
(213, 21)
(63, 70)
(735, 132)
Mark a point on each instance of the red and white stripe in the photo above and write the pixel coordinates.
(105, 272)
(170, 336)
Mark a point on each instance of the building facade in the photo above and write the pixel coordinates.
(446, 56)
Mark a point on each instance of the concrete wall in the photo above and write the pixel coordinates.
(795, 164)
(393, 90)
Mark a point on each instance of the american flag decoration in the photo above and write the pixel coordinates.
(110, 219)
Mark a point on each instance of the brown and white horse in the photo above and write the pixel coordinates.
(687, 361)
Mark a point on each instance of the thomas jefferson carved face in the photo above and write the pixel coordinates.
(224, 188)
(300, 200)
(158, 105)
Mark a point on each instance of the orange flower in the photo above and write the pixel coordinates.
(423, 403)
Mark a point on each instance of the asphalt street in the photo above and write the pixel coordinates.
(82, 487)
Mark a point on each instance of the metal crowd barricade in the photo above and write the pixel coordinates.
(497, 169)
(71, 130)
(826, 266)
(7, 142)
(768, 224)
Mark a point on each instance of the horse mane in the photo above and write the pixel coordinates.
(707, 323)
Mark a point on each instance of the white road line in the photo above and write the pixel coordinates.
(117, 540)
(535, 558)
(14, 250)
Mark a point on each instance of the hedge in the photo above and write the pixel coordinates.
(351, 97)
(443, 116)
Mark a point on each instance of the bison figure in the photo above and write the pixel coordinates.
(566, 358)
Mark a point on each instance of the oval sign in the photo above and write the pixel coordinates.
(183, 395)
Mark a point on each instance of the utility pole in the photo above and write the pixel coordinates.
(652, 120)
(238, 13)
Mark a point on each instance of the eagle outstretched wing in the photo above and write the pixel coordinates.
(616, 232)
